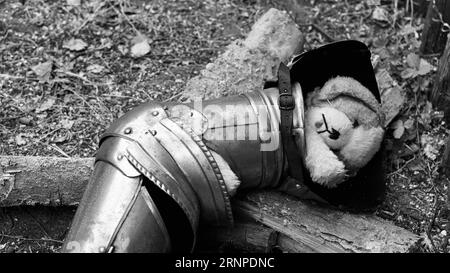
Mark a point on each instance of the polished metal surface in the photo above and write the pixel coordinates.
(170, 145)
(102, 221)
(244, 130)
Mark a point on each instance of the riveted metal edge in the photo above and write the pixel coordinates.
(158, 183)
(214, 166)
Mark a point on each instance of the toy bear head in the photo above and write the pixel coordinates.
(315, 68)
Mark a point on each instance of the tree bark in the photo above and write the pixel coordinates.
(244, 237)
(440, 95)
(433, 38)
(283, 222)
(421, 7)
(34, 180)
(307, 227)
(445, 164)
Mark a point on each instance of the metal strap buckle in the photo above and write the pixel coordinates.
(286, 102)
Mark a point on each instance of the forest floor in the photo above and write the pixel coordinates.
(69, 68)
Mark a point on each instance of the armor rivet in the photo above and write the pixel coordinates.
(119, 157)
(298, 186)
(155, 113)
(219, 176)
(216, 170)
(128, 131)
(214, 165)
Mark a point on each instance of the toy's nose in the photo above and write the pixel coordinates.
(334, 134)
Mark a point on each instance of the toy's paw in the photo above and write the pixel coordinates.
(328, 171)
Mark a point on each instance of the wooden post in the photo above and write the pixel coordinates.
(421, 7)
(445, 164)
(433, 38)
(440, 95)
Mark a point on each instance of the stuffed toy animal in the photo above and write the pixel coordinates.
(343, 130)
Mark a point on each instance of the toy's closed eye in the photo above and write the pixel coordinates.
(355, 123)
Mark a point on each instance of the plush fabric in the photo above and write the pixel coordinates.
(343, 130)
(232, 182)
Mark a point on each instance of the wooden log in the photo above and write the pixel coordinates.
(246, 65)
(35, 180)
(306, 227)
(247, 237)
(289, 224)
(433, 38)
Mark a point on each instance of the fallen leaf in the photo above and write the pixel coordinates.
(392, 101)
(75, 44)
(373, 2)
(399, 129)
(67, 124)
(430, 151)
(424, 67)
(140, 47)
(73, 2)
(384, 79)
(413, 60)
(415, 165)
(408, 29)
(408, 73)
(95, 68)
(409, 124)
(47, 104)
(63, 137)
(430, 147)
(25, 120)
(106, 43)
(381, 16)
(43, 70)
(20, 140)
(122, 49)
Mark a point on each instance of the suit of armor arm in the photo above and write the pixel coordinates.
(156, 178)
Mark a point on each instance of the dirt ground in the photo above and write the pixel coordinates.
(69, 68)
